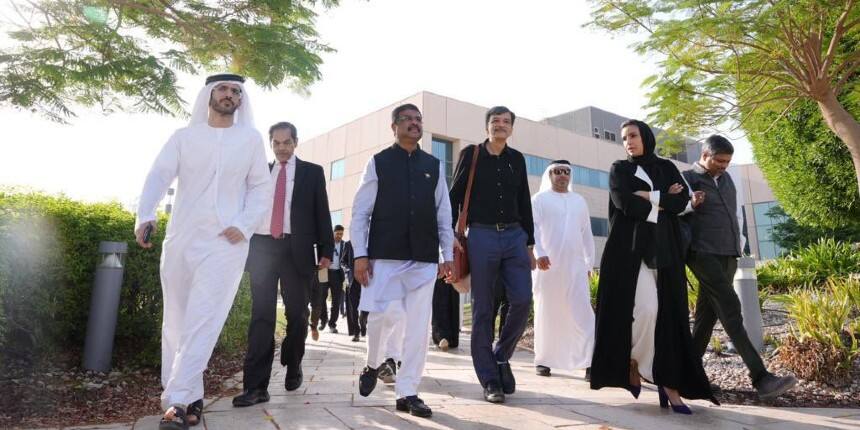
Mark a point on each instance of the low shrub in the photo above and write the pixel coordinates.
(825, 324)
(48, 258)
(810, 266)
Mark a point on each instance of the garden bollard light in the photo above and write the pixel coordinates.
(104, 305)
(746, 287)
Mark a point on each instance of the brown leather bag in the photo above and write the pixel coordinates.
(461, 258)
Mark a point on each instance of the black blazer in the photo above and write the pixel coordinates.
(347, 260)
(310, 219)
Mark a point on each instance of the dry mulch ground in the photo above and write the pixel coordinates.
(61, 393)
(726, 370)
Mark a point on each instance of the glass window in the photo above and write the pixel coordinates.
(535, 166)
(599, 227)
(442, 149)
(590, 177)
(337, 217)
(764, 223)
(338, 169)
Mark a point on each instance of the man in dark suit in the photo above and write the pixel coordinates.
(335, 284)
(356, 321)
(282, 251)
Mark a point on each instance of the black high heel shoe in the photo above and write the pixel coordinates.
(665, 403)
(634, 390)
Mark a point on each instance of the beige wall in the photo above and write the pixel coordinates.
(463, 124)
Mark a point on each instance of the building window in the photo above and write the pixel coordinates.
(535, 166)
(600, 227)
(608, 135)
(442, 149)
(767, 247)
(596, 133)
(338, 169)
(337, 217)
(590, 177)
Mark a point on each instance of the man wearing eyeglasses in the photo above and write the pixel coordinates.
(400, 221)
(564, 246)
(500, 241)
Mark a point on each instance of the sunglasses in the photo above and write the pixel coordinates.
(565, 172)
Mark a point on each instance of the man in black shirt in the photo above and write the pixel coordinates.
(501, 235)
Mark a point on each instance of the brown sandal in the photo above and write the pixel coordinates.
(177, 421)
(195, 413)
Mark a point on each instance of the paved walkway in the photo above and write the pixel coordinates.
(329, 399)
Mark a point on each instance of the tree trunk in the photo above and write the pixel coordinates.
(845, 126)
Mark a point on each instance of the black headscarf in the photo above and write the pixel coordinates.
(649, 144)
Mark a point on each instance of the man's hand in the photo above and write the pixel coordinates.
(698, 198)
(138, 234)
(543, 263)
(233, 235)
(363, 271)
(324, 263)
(457, 244)
(446, 272)
(532, 259)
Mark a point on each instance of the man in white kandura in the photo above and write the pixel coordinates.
(401, 217)
(564, 246)
(223, 190)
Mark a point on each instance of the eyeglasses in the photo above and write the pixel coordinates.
(565, 172)
(417, 119)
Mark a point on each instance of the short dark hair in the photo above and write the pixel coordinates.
(399, 109)
(338, 228)
(498, 110)
(716, 144)
(283, 125)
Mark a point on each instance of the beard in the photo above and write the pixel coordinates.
(223, 110)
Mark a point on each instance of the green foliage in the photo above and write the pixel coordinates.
(48, 257)
(829, 316)
(692, 290)
(593, 280)
(722, 61)
(124, 55)
(808, 168)
(810, 266)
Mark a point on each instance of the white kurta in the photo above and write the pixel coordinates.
(399, 297)
(564, 319)
(223, 181)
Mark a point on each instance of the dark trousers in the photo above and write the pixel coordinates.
(317, 300)
(717, 300)
(446, 314)
(335, 284)
(498, 254)
(356, 321)
(270, 262)
(501, 307)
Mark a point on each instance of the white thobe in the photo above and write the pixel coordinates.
(563, 318)
(399, 297)
(223, 181)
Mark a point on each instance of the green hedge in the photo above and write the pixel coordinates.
(48, 256)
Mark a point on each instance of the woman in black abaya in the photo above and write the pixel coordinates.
(643, 329)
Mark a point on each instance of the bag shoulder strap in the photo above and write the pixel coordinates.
(464, 212)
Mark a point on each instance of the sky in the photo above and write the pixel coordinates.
(534, 57)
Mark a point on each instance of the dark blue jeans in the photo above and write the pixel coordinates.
(501, 255)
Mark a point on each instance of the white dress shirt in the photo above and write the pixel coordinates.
(365, 198)
(265, 226)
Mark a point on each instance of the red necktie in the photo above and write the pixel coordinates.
(277, 228)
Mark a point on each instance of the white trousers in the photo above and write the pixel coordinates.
(200, 275)
(402, 327)
(644, 321)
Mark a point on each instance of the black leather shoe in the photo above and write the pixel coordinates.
(509, 384)
(493, 392)
(414, 406)
(542, 370)
(292, 383)
(367, 381)
(588, 374)
(355, 338)
(332, 330)
(388, 371)
(771, 386)
(250, 397)
(322, 325)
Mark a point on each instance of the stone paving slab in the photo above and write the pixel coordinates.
(329, 399)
